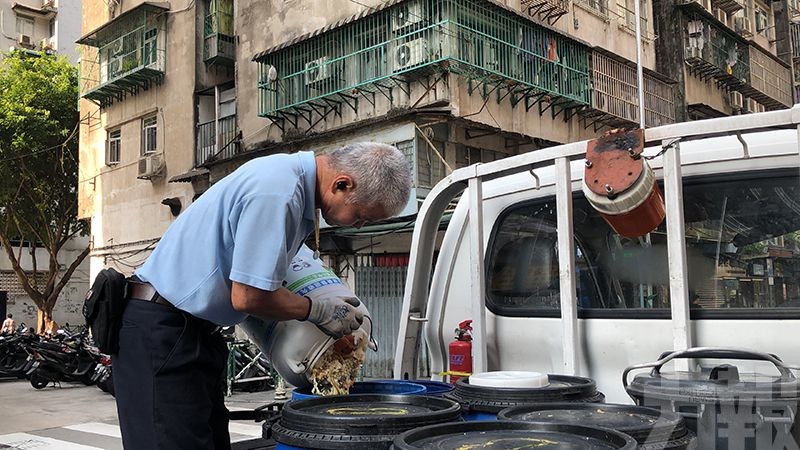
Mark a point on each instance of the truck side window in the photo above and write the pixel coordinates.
(742, 241)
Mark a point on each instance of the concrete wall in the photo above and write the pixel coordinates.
(70, 301)
(126, 212)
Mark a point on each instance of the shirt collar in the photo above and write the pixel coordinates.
(309, 165)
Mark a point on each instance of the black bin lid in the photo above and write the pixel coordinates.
(641, 423)
(724, 383)
(513, 435)
(367, 414)
(561, 388)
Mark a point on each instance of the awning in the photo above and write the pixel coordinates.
(189, 176)
(93, 37)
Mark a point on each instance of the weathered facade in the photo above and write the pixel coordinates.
(183, 93)
(41, 26)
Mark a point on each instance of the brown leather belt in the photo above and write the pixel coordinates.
(138, 290)
(145, 292)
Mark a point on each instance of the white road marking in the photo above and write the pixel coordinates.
(106, 429)
(24, 441)
(247, 430)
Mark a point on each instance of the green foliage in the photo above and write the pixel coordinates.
(39, 157)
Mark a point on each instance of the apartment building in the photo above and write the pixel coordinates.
(186, 92)
(41, 26)
(38, 26)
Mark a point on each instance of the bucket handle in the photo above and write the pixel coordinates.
(713, 353)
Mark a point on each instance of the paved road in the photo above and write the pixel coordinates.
(78, 417)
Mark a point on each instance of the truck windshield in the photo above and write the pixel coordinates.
(742, 239)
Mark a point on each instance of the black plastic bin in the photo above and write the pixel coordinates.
(483, 403)
(651, 428)
(725, 408)
(513, 435)
(357, 421)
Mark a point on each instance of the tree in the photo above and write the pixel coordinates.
(39, 121)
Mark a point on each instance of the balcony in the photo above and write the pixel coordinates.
(381, 52)
(770, 80)
(124, 56)
(216, 140)
(713, 53)
(47, 11)
(615, 98)
(219, 43)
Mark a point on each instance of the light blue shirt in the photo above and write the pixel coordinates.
(245, 228)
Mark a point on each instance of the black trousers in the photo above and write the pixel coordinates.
(169, 378)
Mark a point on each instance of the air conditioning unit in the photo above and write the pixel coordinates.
(743, 26)
(317, 70)
(737, 100)
(406, 14)
(760, 108)
(24, 41)
(750, 105)
(721, 16)
(150, 166)
(47, 44)
(410, 54)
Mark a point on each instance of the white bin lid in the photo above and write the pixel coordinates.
(509, 379)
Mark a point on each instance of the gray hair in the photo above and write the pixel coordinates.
(381, 172)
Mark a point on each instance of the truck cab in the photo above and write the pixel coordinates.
(552, 288)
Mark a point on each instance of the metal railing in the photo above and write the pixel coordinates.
(483, 38)
(719, 49)
(615, 92)
(124, 55)
(770, 77)
(209, 145)
(218, 33)
(794, 31)
(418, 290)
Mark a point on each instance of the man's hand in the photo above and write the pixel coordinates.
(336, 317)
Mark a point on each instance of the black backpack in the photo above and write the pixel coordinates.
(103, 308)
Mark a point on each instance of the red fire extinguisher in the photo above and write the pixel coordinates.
(461, 352)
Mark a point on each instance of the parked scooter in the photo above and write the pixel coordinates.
(68, 358)
(14, 352)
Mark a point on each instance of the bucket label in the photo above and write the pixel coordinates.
(318, 284)
(313, 281)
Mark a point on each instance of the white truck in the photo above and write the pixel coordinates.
(551, 288)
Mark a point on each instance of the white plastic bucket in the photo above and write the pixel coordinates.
(293, 347)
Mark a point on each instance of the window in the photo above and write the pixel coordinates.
(150, 46)
(51, 28)
(113, 147)
(149, 135)
(762, 22)
(742, 242)
(25, 26)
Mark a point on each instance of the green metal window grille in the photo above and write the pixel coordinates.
(218, 34)
(716, 53)
(124, 56)
(474, 38)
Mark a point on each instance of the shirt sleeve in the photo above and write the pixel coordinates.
(262, 227)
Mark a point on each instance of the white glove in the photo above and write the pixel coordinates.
(336, 316)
